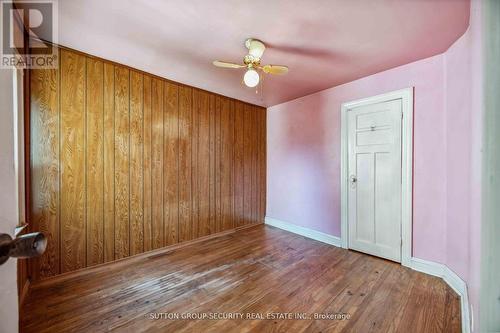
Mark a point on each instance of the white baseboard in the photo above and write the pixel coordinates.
(306, 232)
(453, 280)
(424, 266)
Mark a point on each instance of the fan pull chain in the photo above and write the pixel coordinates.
(262, 91)
(260, 85)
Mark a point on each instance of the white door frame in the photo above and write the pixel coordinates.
(406, 96)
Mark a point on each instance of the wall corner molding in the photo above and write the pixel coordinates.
(452, 279)
(306, 232)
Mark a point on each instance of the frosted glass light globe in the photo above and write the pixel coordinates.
(251, 78)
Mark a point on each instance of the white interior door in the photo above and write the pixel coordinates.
(374, 169)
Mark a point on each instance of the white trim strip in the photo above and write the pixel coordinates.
(306, 232)
(452, 279)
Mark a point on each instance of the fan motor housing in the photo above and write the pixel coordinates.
(251, 61)
(256, 49)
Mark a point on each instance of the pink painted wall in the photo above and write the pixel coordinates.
(304, 154)
(463, 99)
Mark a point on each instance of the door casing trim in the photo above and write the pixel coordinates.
(406, 96)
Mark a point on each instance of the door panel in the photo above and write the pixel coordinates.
(365, 174)
(378, 137)
(374, 207)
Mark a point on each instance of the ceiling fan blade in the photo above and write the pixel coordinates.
(224, 64)
(275, 69)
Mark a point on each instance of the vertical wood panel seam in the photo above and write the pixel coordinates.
(242, 213)
(215, 147)
(103, 173)
(59, 116)
(142, 165)
(191, 151)
(231, 120)
(210, 157)
(191, 198)
(143, 175)
(152, 161)
(214, 165)
(114, 163)
(197, 168)
(195, 174)
(163, 146)
(178, 164)
(28, 185)
(85, 168)
(129, 163)
(163, 160)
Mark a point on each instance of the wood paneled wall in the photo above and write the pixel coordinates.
(123, 162)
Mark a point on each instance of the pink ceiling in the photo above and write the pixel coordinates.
(325, 43)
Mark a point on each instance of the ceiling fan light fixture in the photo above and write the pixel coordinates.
(251, 62)
(251, 78)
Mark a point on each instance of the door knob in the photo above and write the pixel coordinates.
(25, 246)
(353, 180)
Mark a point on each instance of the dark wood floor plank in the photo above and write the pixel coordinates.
(379, 296)
(315, 297)
(258, 270)
(246, 292)
(452, 319)
(419, 315)
(252, 298)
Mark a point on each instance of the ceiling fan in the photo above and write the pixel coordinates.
(252, 63)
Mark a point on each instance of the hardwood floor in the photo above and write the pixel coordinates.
(258, 271)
